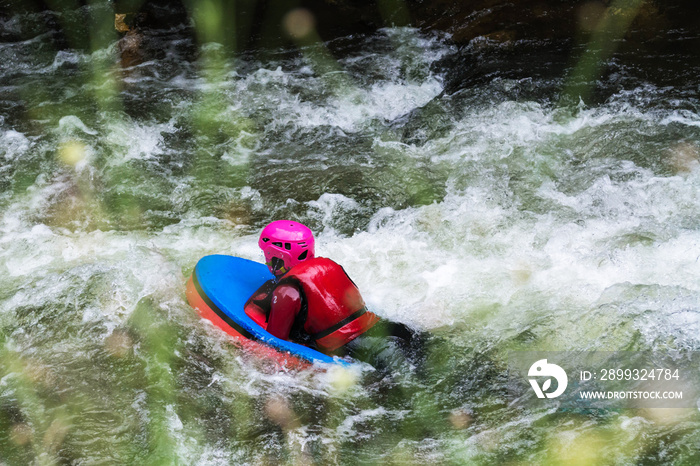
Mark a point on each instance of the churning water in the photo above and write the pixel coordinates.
(492, 217)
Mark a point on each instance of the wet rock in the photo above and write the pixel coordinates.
(495, 38)
(130, 51)
(255, 24)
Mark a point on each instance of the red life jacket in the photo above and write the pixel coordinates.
(336, 312)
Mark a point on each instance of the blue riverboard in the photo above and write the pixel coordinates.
(227, 282)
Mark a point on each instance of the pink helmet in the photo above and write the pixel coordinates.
(286, 243)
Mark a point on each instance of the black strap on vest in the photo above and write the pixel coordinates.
(339, 325)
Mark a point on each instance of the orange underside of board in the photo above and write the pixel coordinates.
(260, 351)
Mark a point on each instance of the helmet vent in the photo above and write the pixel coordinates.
(288, 246)
(265, 240)
(277, 243)
(303, 255)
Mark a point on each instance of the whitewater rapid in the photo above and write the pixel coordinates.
(494, 222)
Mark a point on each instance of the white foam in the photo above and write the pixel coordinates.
(71, 124)
(132, 140)
(355, 109)
(478, 249)
(13, 144)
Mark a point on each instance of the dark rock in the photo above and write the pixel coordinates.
(496, 38)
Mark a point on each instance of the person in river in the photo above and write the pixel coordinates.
(311, 300)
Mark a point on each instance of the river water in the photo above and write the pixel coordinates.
(492, 216)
